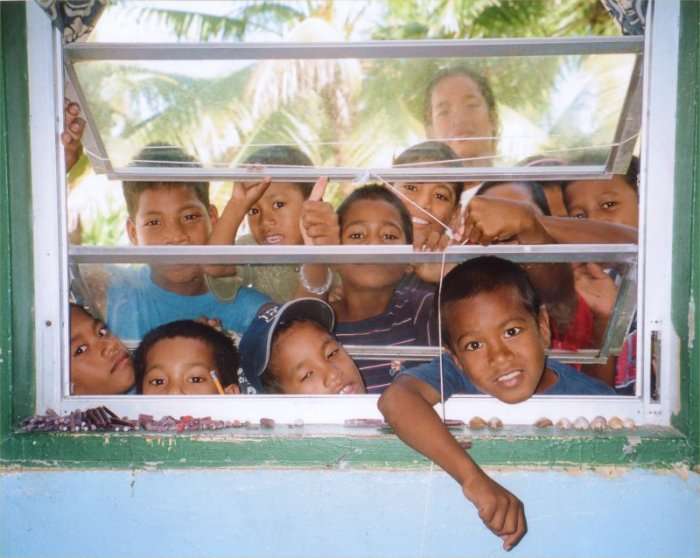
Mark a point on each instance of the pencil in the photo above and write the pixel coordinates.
(217, 383)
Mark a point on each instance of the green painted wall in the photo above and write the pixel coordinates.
(652, 447)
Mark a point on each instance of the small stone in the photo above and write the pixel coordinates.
(616, 423)
(564, 423)
(599, 424)
(495, 423)
(477, 423)
(267, 423)
(543, 422)
(581, 423)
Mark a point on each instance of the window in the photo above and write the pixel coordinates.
(614, 135)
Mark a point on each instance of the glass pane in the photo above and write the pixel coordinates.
(359, 112)
(345, 20)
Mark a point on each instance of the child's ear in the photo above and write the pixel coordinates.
(543, 325)
(213, 214)
(131, 231)
(232, 389)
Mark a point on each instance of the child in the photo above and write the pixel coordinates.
(614, 201)
(376, 308)
(460, 109)
(186, 358)
(495, 332)
(278, 213)
(178, 214)
(99, 363)
(290, 349)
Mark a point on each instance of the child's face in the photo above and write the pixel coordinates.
(459, 110)
(307, 359)
(499, 344)
(171, 216)
(179, 366)
(274, 219)
(611, 200)
(437, 198)
(99, 362)
(372, 222)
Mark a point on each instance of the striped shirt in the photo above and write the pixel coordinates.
(408, 320)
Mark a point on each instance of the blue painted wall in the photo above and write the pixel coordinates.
(293, 513)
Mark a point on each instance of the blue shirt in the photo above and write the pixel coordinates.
(570, 382)
(135, 305)
(408, 320)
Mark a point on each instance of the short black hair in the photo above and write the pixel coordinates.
(631, 176)
(486, 274)
(479, 79)
(429, 151)
(535, 188)
(158, 155)
(375, 192)
(225, 352)
(283, 155)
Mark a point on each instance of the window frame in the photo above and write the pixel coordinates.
(656, 234)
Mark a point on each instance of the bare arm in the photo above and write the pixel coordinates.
(568, 230)
(407, 406)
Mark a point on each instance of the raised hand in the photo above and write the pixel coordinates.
(245, 194)
(318, 222)
(595, 287)
(72, 135)
(493, 220)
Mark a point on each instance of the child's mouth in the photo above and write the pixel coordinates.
(119, 363)
(418, 221)
(510, 379)
(347, 389)
(273, 239)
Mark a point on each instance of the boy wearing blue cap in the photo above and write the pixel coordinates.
(290, 349)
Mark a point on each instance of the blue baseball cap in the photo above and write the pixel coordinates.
(256, 344)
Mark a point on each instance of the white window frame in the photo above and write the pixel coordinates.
(51, 252)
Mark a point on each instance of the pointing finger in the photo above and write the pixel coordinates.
(319, 189)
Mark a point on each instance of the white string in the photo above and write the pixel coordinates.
(563, 150)
(426, 510)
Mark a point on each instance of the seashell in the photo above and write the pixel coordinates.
(298, 423)
(267, 423)
(564, 423)
(581, 423)
(543, 422)
(599, 424)
(477, 423)
(629, 424)
(616, 423)
(495, 423)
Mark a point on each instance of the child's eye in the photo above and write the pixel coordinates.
(197, 379)
(103, 331)
(332, 353)
(410, 187)
(307, 376)
(192, 217)
(390, 237)
(441, 196)
(512, 331)
(472, 346)
(608, 204)
(578, 215)
(355, 236)
(80, 349)
(152, 223)
(156, 382)
(278, 205)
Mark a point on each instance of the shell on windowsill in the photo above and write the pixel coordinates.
(581, 423)
(477, 423)
(543, 422)
(599, 424)
(564, 423)
(616, 423)
(629, 424)
(495, 423)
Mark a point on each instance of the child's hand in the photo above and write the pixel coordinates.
(595, 287)
(493, 220)
(500, 511)
(214, 323)
(245, 194)
(71, 137)
(318, 222)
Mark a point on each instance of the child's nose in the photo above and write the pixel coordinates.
(333, 377)
(175, 234)
(500, 352)
(175, 389)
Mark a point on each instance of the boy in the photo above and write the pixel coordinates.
(99, 363)
(278, 213)
(290, 349)
(169, 213)
(495, 332)
(186, 358)
(378, 307)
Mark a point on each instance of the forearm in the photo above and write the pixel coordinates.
(567, 230)
(224, 234)
(418, 425)
(603, 372)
